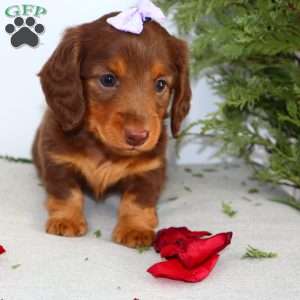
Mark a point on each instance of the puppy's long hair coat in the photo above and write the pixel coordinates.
(108, 93)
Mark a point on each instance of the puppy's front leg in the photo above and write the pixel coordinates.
(66, 216)
(137, 212)
(65, 202)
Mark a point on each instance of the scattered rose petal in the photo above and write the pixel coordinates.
(200, 250)
(190, 257)
(174, 269)
(2, 250)
(171, 250)
(176, 235)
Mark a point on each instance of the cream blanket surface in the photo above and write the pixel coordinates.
(38, 266)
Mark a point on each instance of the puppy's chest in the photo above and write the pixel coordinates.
(101, 174)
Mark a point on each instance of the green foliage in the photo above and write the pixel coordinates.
(187, 188)
(16, 266)
(290, 201)
(97, 233)
(250, 51)
(256, 253)
(228, 210)
(199, 175)
(253, 191)
(16, 160)
(143, 249)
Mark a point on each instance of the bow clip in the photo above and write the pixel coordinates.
(132, 20)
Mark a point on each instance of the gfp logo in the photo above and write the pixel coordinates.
(25, 29)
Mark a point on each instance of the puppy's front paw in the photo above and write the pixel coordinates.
(133, 236)
(66, 227)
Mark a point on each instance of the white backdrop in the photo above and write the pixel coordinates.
(22, 101)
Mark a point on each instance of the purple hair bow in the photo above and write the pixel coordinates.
(132, 20)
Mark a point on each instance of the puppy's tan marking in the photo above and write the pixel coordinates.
(66, 216)
(118, 66)
(136, 223)
(101, 175)
(158, 69)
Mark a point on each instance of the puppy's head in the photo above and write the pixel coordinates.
(118, 84)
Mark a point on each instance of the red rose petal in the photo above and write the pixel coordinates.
(174, 269)
(170, 250)
(199, 250)
(176, 235)
(2, 250)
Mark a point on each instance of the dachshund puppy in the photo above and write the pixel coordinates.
(108, 93)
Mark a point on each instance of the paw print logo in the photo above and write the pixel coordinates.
(24, 33)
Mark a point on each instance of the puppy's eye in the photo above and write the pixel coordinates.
(160, 85)
(108, 80)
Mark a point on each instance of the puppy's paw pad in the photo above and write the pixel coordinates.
(66, 227)
(133, 237)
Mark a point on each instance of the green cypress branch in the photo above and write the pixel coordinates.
(290, 201)
(16, 159)
(255, 253)
(249, 51)
(228, 210)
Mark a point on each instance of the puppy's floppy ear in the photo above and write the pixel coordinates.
(60, 80)
(182, 89)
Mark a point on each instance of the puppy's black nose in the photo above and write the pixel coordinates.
(136, 137)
